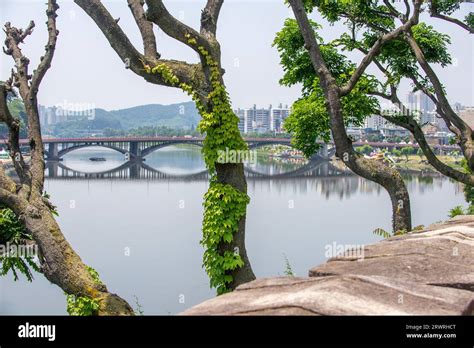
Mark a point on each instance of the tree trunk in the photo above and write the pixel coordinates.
(372, 170)
(392, 181)
(233, 174)
(61, 265)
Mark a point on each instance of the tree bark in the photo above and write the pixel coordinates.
(195, 75)
(59, 262)
(233, 174)
(378, 172)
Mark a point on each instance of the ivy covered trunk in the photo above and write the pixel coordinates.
(233, 175)
(225, 203)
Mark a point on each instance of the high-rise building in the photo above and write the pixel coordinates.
(376, 122)
(277, 117)
(262, 120)
(50, 115)
(420, 103)
(242, 115)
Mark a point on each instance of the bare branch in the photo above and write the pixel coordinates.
(145, 27)
(209, 17)
(6, 182)
(442, 100)
(46, 60)
(435, 14)
(11, 200)
(407, 9)
(374, 51)
(14, 36)
(158, 14)
(415, 129)
(392, 9)
(13, 125)
(131, 57)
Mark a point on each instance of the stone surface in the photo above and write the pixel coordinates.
(430, 272)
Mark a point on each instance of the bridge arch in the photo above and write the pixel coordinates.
(67, 150)
(145, 152)
(119, 168)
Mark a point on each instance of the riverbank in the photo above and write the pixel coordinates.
(428, 272)
(414, 164)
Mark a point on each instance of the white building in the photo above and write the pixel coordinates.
(261, 120)
(375, 122)
(421, 103)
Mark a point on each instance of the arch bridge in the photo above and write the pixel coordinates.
(137, 148)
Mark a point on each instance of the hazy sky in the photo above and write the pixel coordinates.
(86, 69)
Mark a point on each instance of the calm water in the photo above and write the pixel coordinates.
(142, 235)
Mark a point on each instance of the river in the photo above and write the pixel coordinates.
(141, 232)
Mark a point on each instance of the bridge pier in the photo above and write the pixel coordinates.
(53, 152)
(135, 152)
(134, 170)
(323, 151)
(52, 167)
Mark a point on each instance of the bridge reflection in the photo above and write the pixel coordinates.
(316, 166)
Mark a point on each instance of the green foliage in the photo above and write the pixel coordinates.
(81, 305)
(224, 206)
(470, 19)
(309, 118)
(420, 153)
(288, 269)
(368, 11)
(11, 228)
(468, 195)
(365, 149)
(399, 58)
(367, 20)
(94, 274)
(16, 264)
(308, 122)
(13, 232)
(52, 208)
(396, 152)
(382, 233)
(457, 210)
(407, 151)
(139, 309)
(446, 7)
(150, 131)
(294, 57)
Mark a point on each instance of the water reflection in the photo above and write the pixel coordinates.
(158, 219)
(179, 161)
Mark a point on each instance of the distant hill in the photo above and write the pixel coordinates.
(182, 115)
(174, 116)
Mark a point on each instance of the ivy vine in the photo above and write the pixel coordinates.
(224, 205)
(84, 305)
(13, 233)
